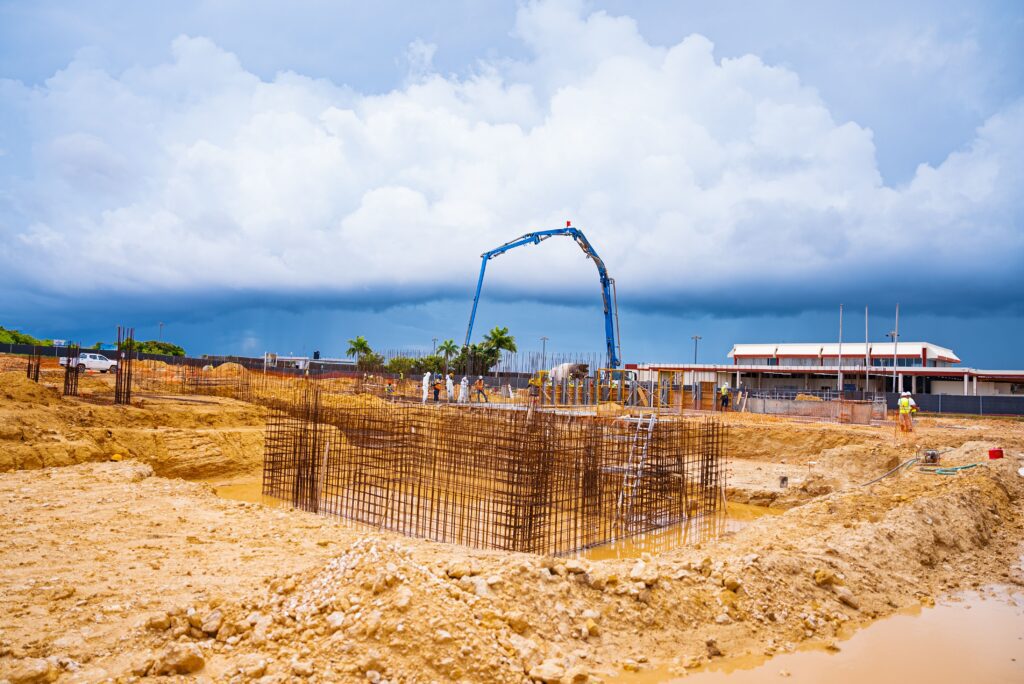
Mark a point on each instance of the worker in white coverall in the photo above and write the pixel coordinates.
(426, 386)
(449, 387)
(464, 390)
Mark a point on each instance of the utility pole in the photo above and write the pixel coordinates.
(695, 338)
(543, 352)
(895, 335)
(892, 336)
(160, 335)
(867, 356)
(434, 350)
(895, 349)
(839, 378)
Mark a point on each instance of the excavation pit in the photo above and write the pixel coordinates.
(510, 480)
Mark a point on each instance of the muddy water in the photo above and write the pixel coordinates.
(248, 489)
(251, 492)
(736, 516)
(695, 531)
(969, 638)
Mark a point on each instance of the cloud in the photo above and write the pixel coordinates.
(705, 183)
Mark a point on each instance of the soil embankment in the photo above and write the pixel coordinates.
(188, 437)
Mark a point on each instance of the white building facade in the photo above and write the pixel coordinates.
(917, 367)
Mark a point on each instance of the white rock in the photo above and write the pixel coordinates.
(335, 621)
(549, 672)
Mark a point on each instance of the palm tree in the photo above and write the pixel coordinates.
(447, 349)
(499, 339)
(358, 348)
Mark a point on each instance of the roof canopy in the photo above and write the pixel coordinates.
(852, 349)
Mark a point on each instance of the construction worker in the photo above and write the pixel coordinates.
(533, 389)
(907, 408)
(437, 388)
(426, 385)
(464, 390)
(389, 388)
(449, 387)
(725, 397)
(479, 387)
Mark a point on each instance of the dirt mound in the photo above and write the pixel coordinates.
(610, 409)
(782, 440)
(14, 386)
(427, 607)
(808, 397)
(228, 370)
(355, 401)
(186, 437)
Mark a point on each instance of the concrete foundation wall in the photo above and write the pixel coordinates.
(840, 411)
(984, 388)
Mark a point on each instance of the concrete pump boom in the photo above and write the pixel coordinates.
(611, 308)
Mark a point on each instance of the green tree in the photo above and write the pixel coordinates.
(476, 359)
(447, 350)
(358, 348)
(499, 339)
(431, 362)
(370, 361)
(8, 336)
(158, 347)
(401, 365)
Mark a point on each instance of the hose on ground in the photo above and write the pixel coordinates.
(949, 470)
(901, 466)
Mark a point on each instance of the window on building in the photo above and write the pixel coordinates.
(901, 363)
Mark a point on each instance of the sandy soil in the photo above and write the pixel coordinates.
(110, 571)
(190, 437)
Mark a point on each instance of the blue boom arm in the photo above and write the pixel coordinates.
(611, 313)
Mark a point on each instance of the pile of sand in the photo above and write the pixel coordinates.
(228, 370)
(356, 401)
(12, 363)
(610, 409)
(39, 428)
(807, 397)
(14, 386)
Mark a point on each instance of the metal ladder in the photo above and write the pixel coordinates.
(634, 469)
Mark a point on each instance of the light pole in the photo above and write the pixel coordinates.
(434, 350)
(894, 336)
(695, 338)
(839, 377)
(543, 352)
(160, 335)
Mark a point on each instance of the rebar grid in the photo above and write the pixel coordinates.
(123, 378)
(513, 480)
(35, 360)
(71, 371)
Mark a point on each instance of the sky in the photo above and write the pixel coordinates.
(282, 177)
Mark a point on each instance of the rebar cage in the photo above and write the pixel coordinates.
(508, 479)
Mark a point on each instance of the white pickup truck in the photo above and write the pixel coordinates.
(93, 362)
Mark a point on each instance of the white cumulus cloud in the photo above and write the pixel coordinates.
(695, 177)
